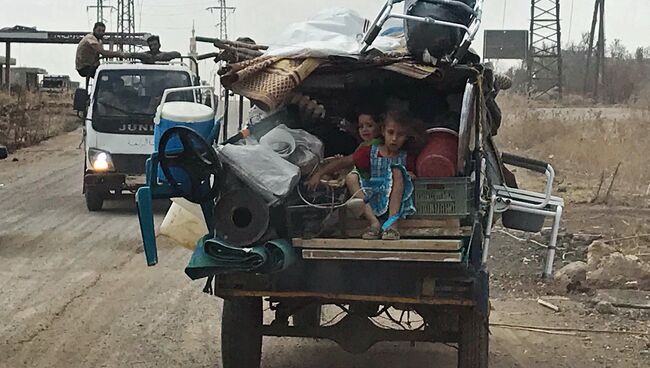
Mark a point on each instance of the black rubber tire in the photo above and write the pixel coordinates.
(241, 333)
(473, 347)
(94, 200)
(308, 317)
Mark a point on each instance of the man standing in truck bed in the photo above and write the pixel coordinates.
(89, 50)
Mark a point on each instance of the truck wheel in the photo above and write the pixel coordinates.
(308, 317)
(473, 347)
(241, 332)
(94, 200)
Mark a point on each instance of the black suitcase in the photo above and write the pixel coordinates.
(437, 39)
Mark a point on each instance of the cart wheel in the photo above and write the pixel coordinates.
(241, 333)
(308, 317)
(473, 347)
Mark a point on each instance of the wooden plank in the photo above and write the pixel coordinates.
(418, 233)
(451, 223)
(365, 255)
(404, 244)
(345, 297)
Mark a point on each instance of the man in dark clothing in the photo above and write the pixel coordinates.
(154, 45)
(154, 54)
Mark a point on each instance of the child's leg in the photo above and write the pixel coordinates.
(354, 187)
(396, 194)
(374, 231)
(353, 184)
(394, 204)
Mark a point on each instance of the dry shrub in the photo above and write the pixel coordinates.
(583, 143)
(27, 118)
(641, 99)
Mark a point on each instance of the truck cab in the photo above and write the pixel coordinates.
(55, 84)
(119, 126)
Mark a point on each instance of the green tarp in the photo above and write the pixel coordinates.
(215, 256)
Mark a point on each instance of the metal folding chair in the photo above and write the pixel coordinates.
(526, 210)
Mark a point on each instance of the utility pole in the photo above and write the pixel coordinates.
(126, 21)
(99, 8)
(545, 57)
(224, 11)
(599, 51)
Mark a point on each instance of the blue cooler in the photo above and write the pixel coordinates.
(196, 116)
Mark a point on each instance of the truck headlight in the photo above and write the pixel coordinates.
(100, 160)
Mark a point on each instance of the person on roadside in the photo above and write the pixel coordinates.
(90, 49)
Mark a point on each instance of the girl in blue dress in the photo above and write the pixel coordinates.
(389, 166)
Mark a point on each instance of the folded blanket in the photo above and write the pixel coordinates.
(215, 256)
(268, 80)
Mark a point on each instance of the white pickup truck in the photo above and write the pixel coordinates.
(119, 107)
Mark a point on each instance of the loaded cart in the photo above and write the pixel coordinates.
(274, 244)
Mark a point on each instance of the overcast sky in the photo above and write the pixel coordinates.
(628, 20)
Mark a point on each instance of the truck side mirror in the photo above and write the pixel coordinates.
(3, 152)
(80, 101)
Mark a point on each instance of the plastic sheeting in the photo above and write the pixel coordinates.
(263, 170)
(331, 32)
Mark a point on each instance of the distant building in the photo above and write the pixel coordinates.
(26, 77)
(3, 63)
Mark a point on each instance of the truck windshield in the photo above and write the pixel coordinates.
(137, 92)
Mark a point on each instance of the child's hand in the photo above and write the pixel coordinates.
(412, 175)
(313, 182)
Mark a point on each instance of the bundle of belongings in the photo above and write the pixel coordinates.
(333, 129)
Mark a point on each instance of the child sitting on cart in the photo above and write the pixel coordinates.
(384, 170)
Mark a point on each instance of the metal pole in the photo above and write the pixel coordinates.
(241, 112)
(603, 45)
(591, 45)
(226, 107)
(531, 52)
(560, 73)
(600, 51)
(8, 65)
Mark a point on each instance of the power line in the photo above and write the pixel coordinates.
(126, 20)
(545, 56)
(571, 19)
(224, 11)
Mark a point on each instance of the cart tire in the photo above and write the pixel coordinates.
(308, 317)
(94, 200)
(473, 347)
(241, 333)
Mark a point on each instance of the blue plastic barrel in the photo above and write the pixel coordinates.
(193, 115)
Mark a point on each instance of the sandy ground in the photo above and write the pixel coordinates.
(75, 292)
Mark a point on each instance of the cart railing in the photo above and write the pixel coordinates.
(470, 30)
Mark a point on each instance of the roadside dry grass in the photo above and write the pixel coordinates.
(27, 118)
(584, 144)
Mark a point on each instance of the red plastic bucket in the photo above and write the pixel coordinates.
(440, 156)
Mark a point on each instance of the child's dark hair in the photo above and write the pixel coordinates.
(413, 126)
(371, 105)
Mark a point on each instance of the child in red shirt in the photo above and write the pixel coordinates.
(387, 188)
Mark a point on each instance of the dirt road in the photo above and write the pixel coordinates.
(75, 291)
